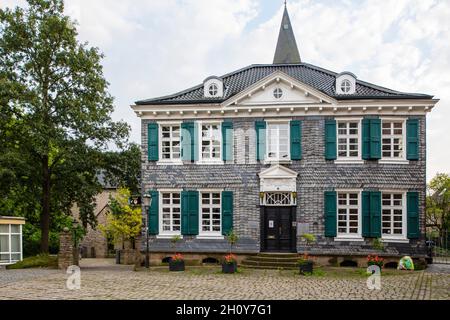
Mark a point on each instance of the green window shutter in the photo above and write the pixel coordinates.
(189, 141)
(366, 139)
(153, 142)
(296, 140)
(375, 214)
(413, 215)
(366, 214)
(375, 138)
(330, 140)
(330, 214)
(227, 212)
(412, 138)
(260, 127)
(153, 214)
(227, 141)
(189, 212)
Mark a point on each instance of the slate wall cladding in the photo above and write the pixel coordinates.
(316, 175)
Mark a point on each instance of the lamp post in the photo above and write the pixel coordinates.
(75, 252)
(147, 204)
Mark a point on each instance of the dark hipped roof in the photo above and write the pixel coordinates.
(316, 77)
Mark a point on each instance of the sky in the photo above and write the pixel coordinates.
(153, 47)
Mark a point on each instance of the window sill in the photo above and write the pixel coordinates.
(348, 161)
(349, 239)
(169, 163)
(395, 240)
(168, 236)
(210, 237)
(277, 161)
(393, 161)
(210, 163)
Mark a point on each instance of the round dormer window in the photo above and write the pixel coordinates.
(213, 90)
(346, 86)
(278, 93)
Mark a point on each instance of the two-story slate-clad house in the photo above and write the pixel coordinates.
(278, 150)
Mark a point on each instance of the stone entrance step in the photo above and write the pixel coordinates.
(271, 261)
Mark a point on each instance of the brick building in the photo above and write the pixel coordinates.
(274, 151)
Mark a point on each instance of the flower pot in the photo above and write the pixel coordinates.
(306, 267)
(176, 265)
(229, 267)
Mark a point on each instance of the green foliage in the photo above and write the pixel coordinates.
(232, 239)
(125, 222)
(174, 240)
(39, 261)
(55, 120)
(438, 205)
(309, 238)
(377, 244)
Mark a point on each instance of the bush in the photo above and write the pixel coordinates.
(39, 261)
(32, 241)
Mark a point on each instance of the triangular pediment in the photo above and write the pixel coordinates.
(278, 172)
(293, 92)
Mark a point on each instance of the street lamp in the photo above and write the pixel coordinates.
(147, 204)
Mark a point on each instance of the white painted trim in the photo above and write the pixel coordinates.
(390, 160)
(404, 235)
(349, 236)
(208, 234)
(161, 232)
(168, 236)
(210, 237)
(202, 161)
(169, 163)
(160, 151)
(268, 160)
(349, 239)
(394, 240)
(355, 160)
(393, 161)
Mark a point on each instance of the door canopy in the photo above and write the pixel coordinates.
(278, 179)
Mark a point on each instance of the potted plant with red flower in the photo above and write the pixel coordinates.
(304, 263)
(229, 264)
(375, 261)
(176, 262)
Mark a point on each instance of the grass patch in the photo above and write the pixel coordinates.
(39, 261)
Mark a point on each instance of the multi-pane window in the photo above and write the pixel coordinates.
(348, 213)
(393, 141)
(170, 142)
(170, 213)
(10, 243)
(278, 141)
(392, 214)
(211, 212)
(348, 139)
(211, 142)
(278, 199)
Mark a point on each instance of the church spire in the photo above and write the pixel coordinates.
(287, 50)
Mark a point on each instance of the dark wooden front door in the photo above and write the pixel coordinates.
(278, 234)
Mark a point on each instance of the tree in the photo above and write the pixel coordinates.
(124, 223)
(438, 204)
(54, 88)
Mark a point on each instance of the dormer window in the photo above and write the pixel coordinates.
(278, 93)
(346, 86)
(213, 90)
(213, 87)
(345, 83)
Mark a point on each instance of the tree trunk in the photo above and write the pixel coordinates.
(45, 214)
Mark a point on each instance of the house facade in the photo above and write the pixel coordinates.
(279, 150)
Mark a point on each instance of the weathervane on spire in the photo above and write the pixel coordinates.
(285, 3)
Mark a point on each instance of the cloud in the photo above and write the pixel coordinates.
(155, 48)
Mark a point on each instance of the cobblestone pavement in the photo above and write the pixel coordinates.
(101, 279)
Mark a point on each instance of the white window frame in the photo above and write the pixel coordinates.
(397, 237)
(206, 161)
(349, 237)
(162, 233)
(10, 253)
(209, 234)
(278, 160)
(171, 161)
(403, 159)
(353, 160)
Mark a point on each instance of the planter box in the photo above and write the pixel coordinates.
(176, 266)
(229, 268)
(306, 267)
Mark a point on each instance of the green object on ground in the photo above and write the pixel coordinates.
(39, 261)
(406, 263)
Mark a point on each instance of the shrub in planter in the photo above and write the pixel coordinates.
(176, 263)
(375, 261)
(305, 265)
(229, 264)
